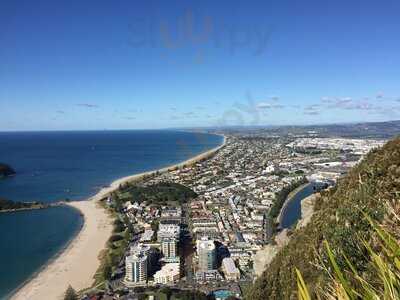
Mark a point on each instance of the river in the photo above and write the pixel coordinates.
(292, 211)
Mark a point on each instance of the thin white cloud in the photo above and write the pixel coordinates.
(312, 113)
(88, 105)
(265, 105)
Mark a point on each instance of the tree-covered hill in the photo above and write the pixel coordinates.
(160, 193)
(339, 219)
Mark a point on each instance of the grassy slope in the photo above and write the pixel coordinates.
(338, 219)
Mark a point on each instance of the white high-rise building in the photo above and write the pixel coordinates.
(169, 247)
(136, 269)
(146, 250)
(207, 255)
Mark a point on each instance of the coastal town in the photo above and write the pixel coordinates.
(199, 150)
(194, 231)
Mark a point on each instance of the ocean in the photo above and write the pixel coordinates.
(74, 165)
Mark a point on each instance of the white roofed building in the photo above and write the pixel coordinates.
(231, 272)
(169, 274)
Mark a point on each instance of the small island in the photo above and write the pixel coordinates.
(6, 170)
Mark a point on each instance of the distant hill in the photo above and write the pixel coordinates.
(6, 170)
(338, 219)
(376, 130)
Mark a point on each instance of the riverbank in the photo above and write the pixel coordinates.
(289, 198)
(307, 210)
(265, 255)
(78, 263)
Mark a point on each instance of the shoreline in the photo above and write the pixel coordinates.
(137, 177)
(11, 294)
(77, 263)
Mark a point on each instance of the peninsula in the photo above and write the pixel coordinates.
(10, 206)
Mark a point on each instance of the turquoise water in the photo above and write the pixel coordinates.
(29, 239)
(222, 294)
(57, 165)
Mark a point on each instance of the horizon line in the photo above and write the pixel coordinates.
(204, 127)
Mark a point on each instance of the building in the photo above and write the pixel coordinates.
(170, 213)
(169, 247)
(140, 248)
(229, 269)
(211, 275)
(147, 251)
(147, 236)
(207, 254)
(169, 274)
(168, 230)
(136, 269)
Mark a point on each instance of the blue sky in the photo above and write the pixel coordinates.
(155, 64)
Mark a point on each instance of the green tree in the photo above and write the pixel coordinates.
(107, 271)
(70, 294)
(127, 235)
(167, 292)
(118, 226)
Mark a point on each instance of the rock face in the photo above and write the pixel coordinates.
(6, 170)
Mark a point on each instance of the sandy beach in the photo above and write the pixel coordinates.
(78, 263)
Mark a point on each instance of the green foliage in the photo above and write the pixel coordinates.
(302, 289)
(70, 294)
(348, 283)
(161, 193)
(115, 238)
(339, 218)
(280, 173)
(107, 271)
(167, 292)
(118, 226)
(189, 295)
(7, 204)
(127, 235)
